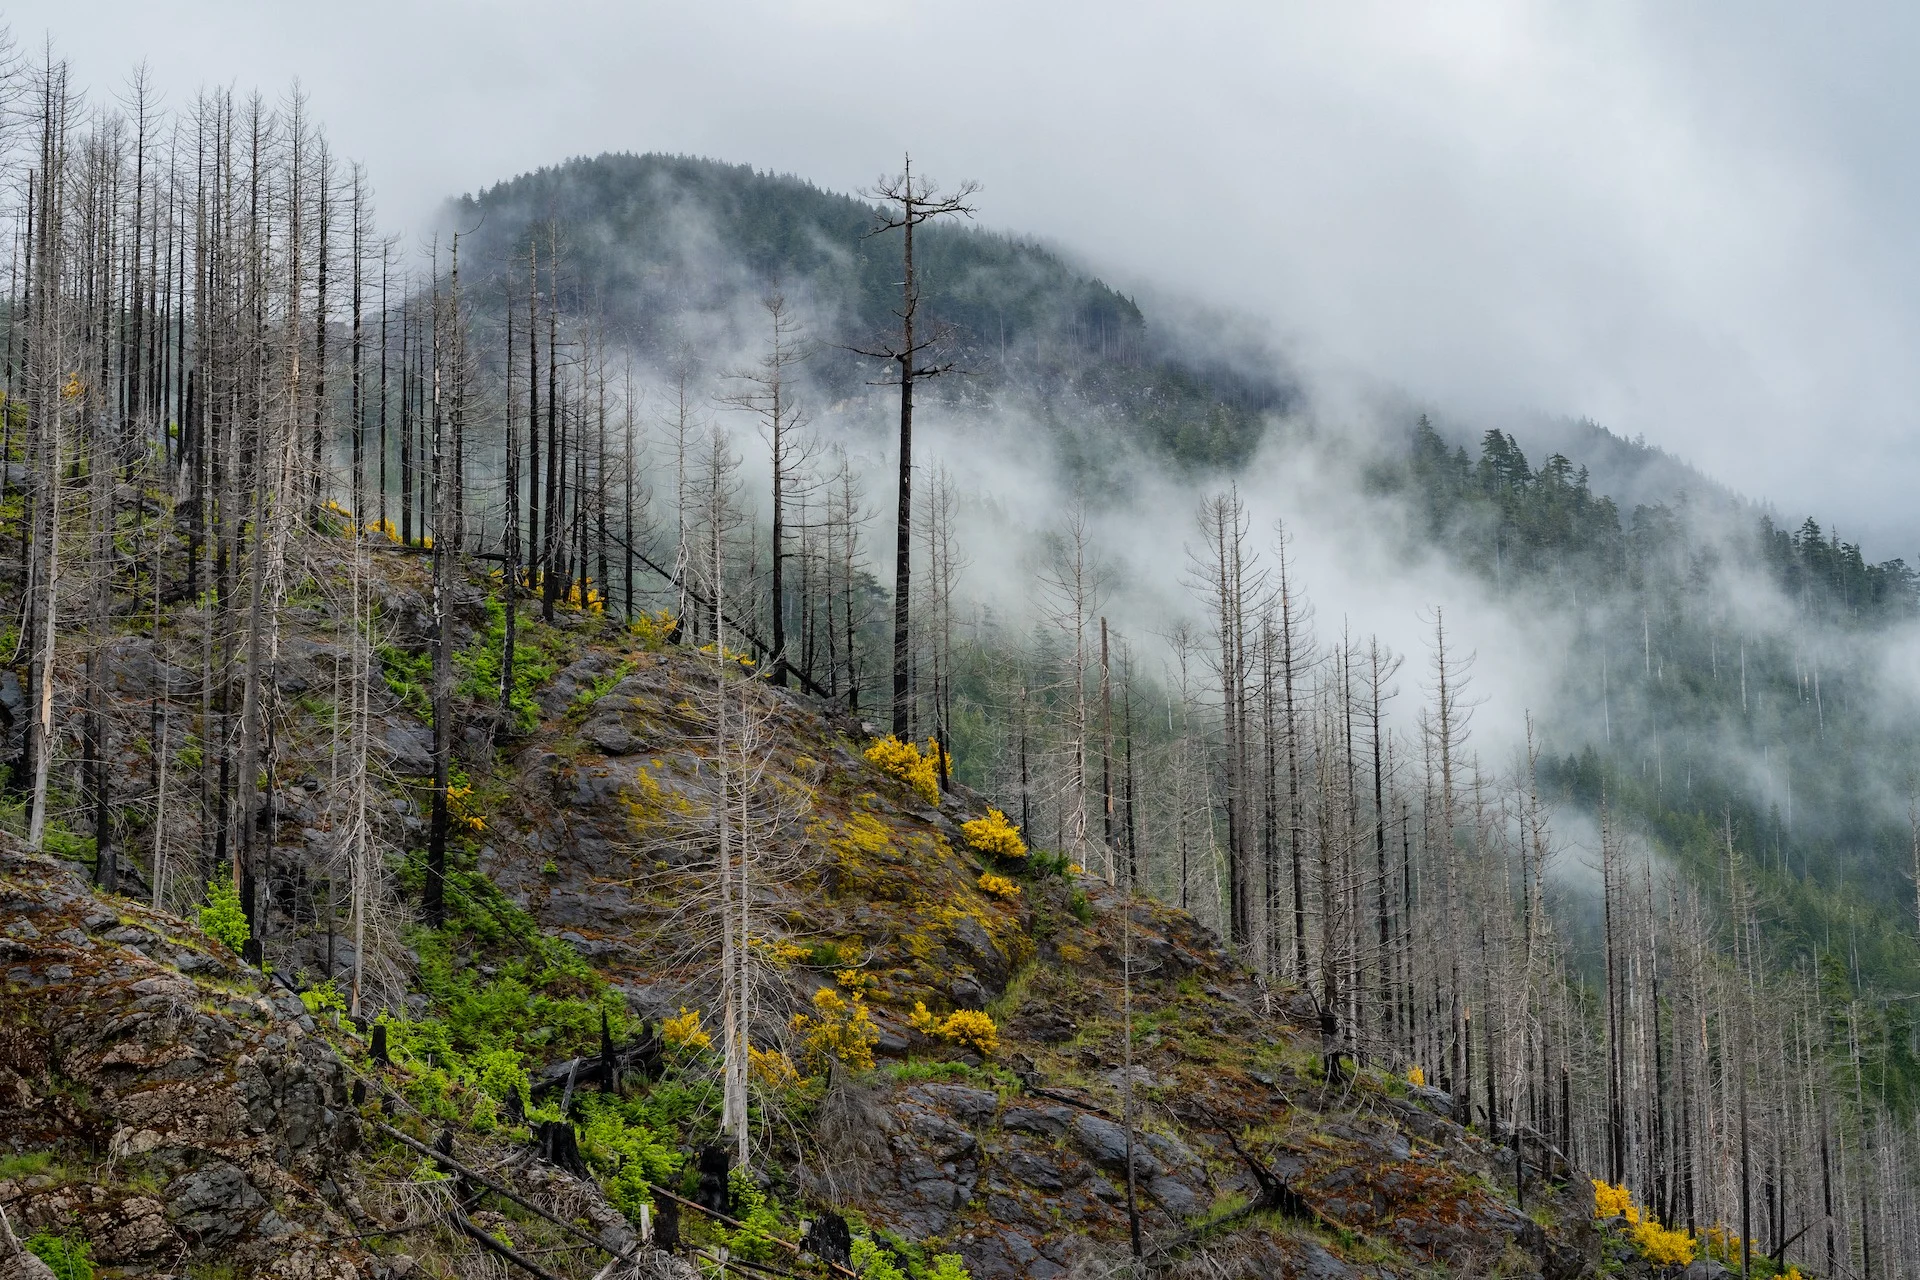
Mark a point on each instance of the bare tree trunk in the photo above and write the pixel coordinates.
(917, 202)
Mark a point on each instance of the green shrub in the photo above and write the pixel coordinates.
(1042, 865)
(222, 917)
(477, 667)
(539, 1002)
(829, 955)
(69, 1257)
(627, 1150)
(874, 1262)
(759, 1216)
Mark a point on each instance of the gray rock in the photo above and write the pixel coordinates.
(211, 1203)
(1007, 1256)
(559, 694)
(17, 1264)
(1705, 1269)
(1170, 1150)
(1035, 1170)
(967, 994)
(597, 788)
(1142, 1078)
(410, 746)
(1175, 1196)
(1048, 1122)
(944, 1139)
(1106, 1144)
(1318, 1264)
(973, 1106)
(611, 737)
(971, 943)
(1044, 1023)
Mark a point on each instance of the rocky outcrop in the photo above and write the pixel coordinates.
(179, 1108)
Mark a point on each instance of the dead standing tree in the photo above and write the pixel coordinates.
(768, 394)
(908, 203)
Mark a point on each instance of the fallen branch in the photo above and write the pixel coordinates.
(528, 1265)
(751, 1266)
(736, 1224)
(442, 1158)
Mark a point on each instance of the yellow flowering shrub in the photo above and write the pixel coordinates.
(927, 1024)
(903, 761)
(838, 1027)
(460, 811)
(972, 1027)
(999, 886)
(1415, 1076)
(1722, 1243)
(728, 655)
(652, 629)
(963, 1026)
(994, 835)
(683, 1031)
(1610, 1201)
(858, 981)
(772, 1068)
(780, 951)
(1662, 1246)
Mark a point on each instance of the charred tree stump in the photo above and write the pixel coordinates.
(829, 1239)
(560, 1147)
(714, 1162)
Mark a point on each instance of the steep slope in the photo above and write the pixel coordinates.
(1015, 1161)
(163, 1102)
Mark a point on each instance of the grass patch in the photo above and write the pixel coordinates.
(29, 1163)
(918, 1071)
(1009, 1001)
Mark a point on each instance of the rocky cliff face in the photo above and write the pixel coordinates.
(181, 1110)
(178, 1110)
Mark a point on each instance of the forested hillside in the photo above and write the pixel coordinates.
(669, 253)
(542, 657)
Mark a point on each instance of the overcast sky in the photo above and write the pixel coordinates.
(1698, 222)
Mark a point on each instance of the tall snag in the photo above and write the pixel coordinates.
(908, 203)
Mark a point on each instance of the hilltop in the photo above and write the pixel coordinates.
(669, 253)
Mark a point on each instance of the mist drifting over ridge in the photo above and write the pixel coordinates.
(1131, 415)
